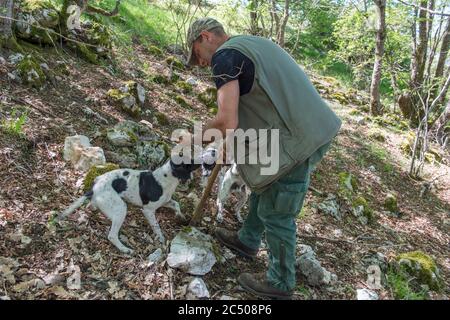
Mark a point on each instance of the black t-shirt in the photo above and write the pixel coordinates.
(230, 64)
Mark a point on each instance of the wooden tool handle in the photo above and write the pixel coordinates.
(198, 213)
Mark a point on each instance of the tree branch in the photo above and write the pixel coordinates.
(91, 9)
(425, 9)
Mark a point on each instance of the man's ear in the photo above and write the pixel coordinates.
(206, 35)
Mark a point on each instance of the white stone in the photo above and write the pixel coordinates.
(156, 256)
(140, 93)
(366, 294)
(192, 252)
(192, 81)
(197, 290)
(73, 146)
(89, 157)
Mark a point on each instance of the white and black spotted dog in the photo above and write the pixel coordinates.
(150, 190)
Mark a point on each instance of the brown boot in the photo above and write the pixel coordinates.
(231, 240)
(257, 284)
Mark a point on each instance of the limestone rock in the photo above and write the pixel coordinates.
(197, 290)
(192, 251)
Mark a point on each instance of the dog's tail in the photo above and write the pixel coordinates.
(75, 205)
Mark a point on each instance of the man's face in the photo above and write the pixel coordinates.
(204, 48)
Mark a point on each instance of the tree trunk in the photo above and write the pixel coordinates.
(440, 124)
(275, 17)
(7, 39)
(6, 9)
(419, 57)
(253, 8)
(444, 51)
(375, 104)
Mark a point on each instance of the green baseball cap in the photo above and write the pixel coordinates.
(194, 32)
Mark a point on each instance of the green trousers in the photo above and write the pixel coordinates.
(274, 212)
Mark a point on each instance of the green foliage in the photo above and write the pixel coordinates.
(15, 125)
(184, 86)
(399, 282)
(161, 118)
(175, 63)
(147, 21)
(422, 267)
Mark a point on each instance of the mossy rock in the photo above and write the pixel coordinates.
(184, 86)
(421, 266)
(390, 203)
(407, 144)
(116, 94)
(341, 97)
(61, 69)
(154, 50)
(100, 36)
(432, 156)
(87, 53)
(377, 135)
(361, 208)
(34, 14)
(151, 154)
(348, 184)
(96, 171)
(30, 72)
(161, 118)
(174, 62)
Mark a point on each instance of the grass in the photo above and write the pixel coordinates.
(136, 18)
(401, 288)
(15, 125)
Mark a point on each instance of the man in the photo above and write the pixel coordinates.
(261, 87)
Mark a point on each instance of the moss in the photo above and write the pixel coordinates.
(172, 61)
(162, 118)
(61, 68)
(376, 135)
(31, 72)
(96, 171)
(11, 44)
(86, 53)
(184, 86)
(180, 100)
(116, 94)
(154, 50)
(355, 112)
(160, 79)
(348, 184)
(407, 144)
(208, 97)
(433, 156)
(390, 203)
(422, 267)
(339, 97)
